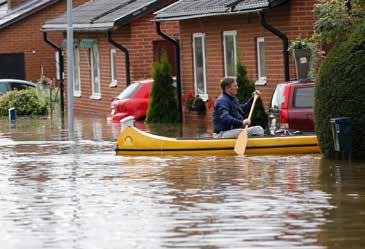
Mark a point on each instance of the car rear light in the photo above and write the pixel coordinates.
(283, 113)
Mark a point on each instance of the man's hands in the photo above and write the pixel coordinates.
(257, 93)
(246, 122)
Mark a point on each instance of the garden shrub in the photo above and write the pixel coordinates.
(245, 90)
(340, 92)
(26, 102)
(163, 106)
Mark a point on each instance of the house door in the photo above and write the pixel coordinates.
(12, 66)
(159, 47)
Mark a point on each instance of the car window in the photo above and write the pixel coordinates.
(3, 88)
(303, 97)
(19, 86)
(277, 97)
(129, 91)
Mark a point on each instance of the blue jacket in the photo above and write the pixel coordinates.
(228, 113)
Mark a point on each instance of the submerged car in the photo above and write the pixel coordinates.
(7, 85)
(291, 107)
(132, 101)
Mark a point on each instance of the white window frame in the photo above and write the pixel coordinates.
(113, 63)
(260, 80)
(95, 95)
(204, 96)
(225, 34)
(77, 92)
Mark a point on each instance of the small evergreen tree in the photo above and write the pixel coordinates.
(163, 106)
(245, 90)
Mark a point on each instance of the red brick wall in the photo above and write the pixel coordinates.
(138, 38)
(25, 37)
(14, 3)
(292, 19)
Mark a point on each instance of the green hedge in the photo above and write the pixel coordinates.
(26, 102)
(340, 92)
(245, 90)
(163, 106)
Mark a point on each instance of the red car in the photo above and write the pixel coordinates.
(132, 101)
(292, 107)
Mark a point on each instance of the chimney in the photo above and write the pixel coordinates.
(14, 3)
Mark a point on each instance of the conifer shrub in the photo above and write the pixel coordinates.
(340, 92)
(163, 106)
(245, 90)
(26, 102)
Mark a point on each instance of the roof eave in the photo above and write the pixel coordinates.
(98, 27)
(26, 14)
(187, 17)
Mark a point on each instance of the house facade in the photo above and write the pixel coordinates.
(214, 35)
(115, 43)
(23, 53)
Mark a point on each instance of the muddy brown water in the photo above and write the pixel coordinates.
(57, 193)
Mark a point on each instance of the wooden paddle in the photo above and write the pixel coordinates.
(241, 141)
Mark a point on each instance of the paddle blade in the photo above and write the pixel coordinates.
(241, 143)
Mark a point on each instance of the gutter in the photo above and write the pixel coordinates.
(60, 61)
(285, 40)
(178, 72)
(126, 53)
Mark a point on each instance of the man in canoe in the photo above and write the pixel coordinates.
(229, 116)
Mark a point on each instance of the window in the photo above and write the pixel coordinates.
(200, 82)
(113, 67)
(230, 53)
(95, 72)
(57, 63)
(303, 97)
(261, 62)
(77, 80)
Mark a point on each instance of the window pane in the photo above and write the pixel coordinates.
(262, 62)
(230, 54)
(76, 69)
(303, 97)
(95, 68)
(114, 65)
(199, 65)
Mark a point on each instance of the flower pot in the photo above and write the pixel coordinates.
(302, 57)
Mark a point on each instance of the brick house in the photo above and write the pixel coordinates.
(216, 34)
(115, 43)
(23, 54)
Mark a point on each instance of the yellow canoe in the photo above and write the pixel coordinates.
(132, 141)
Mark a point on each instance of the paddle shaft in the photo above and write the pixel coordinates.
(251, 110)
(241, 141)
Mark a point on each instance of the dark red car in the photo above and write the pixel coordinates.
(292, 107)
(132, 101)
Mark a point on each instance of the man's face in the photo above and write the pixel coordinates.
(232, 89)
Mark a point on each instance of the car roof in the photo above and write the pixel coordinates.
(17, 81)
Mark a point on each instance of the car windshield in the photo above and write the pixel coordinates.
(129, 91)
(277, 97)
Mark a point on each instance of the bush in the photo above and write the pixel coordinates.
(163, 106)
(245, 90)
(26, 102)
(340, 92)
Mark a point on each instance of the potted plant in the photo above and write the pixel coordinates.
(302, 51)
(195, 103)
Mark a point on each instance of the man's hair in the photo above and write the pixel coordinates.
(226, 82)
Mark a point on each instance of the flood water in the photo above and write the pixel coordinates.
(57, 193)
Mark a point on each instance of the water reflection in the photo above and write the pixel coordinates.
(56, 193)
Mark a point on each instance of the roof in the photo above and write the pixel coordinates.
(102, 15)
(188, 9)
(24, 10)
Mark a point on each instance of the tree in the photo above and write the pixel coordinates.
(245, 90)
(163, 106)
(340, 92)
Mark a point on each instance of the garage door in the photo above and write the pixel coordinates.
(12, 66)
